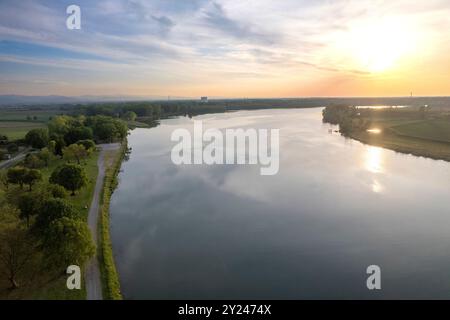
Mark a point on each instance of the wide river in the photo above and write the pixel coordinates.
(336, 207)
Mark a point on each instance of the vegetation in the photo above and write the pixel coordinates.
(110, 277)
(75, 152)
(421, 131)
(70, 176)
(37, 138)
(16, 130)
(44, 228)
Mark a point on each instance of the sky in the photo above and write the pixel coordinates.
(226, 48)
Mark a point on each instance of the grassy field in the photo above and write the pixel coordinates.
(15, 123)
(427, 138)
(436, 130)
(410, 145)
(44, 284)
(18, 129)
(26, 114)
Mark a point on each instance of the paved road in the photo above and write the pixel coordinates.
(8, 163)
(93, 282)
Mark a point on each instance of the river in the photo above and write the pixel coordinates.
(310, 232)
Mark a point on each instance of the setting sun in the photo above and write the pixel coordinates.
(380, 46)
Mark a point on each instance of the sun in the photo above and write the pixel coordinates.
(380, 46)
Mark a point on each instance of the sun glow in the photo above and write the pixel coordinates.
(381, 45)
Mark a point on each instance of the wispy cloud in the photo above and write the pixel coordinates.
(190, 45)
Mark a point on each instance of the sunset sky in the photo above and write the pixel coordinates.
(226, 48)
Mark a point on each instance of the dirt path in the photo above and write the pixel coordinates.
(92, 276)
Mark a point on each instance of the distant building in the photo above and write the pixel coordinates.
(204, 99)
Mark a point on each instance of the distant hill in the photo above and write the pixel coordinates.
(14, 100)
(19, 100)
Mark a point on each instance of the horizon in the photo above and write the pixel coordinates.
(226, 49)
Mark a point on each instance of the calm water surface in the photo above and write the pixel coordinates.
(335, 207)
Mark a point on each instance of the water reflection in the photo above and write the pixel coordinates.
(225, 232)
(374, 158)
(376, 186)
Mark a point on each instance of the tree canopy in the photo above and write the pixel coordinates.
(37, 138)
(70, 176)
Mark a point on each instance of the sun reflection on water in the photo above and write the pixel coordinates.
(374, 164)
(374, 159)
(376, 186)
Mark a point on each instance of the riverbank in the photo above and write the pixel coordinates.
(108, 272)
(423, 132)
(409, 145)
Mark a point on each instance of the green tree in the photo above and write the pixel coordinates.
(17, 249)
(37, 138)
(70, 176)
(121, 128)
(45, 155)
(75, 152)
(77, 134)
(33, 161)
(4, 179)
(52, 147)
(16, 175)
(51, 210)
(106, 128)
(31, 177)
(130, 116)
(59, 125)
(29, 205)
(67, 241)
(57, 191)
(106, 131)
(59, 145)
(88, 144)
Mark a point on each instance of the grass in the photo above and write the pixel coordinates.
(109, 275)
(427, 138)
(15, 130)
(436, 130)
(82, 199)
(57, 290)
(41, 285)
(23, 114)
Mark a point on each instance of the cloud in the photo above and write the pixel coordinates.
(165, 24)
(216, 17)
(203, 42)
